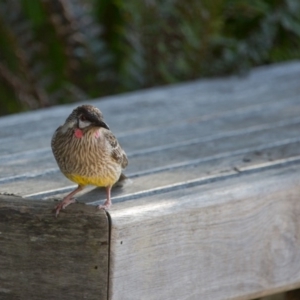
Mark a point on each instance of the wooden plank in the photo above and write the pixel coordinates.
(158, 161)
(139, 145)
(233, 239)
(223, 122)
(43, 257)
(201, 172)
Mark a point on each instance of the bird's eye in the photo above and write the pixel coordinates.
(82, 118)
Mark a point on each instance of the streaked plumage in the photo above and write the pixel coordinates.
(87, 152)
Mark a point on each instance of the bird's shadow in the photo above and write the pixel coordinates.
(92, 194)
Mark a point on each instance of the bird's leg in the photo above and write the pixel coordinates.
(67, 200)
(107, 203)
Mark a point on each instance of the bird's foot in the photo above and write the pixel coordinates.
(63, 204)
(104, 206)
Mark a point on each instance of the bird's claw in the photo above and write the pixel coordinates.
(62, 205)
(104, 206)
(58, 208)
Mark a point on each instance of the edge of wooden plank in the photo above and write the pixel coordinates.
(43, 257)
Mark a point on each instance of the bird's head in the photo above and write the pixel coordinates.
(86, 117)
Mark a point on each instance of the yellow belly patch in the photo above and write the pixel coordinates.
(98, 181)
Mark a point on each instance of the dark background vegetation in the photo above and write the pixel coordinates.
(60, 51)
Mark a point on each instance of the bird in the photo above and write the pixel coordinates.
(88, 153)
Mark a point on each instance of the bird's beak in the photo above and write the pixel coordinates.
(101, 124)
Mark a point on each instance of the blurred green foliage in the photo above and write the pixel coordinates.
(58, 51)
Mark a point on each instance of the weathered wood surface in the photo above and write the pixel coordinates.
(213, 204)
(235, 239)
(46, 258)
(209, 122)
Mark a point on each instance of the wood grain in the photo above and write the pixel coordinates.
(42, 257)
(262, 141)
(234, 239)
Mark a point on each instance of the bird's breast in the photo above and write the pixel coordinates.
(86, 160)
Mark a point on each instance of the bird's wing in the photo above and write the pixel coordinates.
(117, 153)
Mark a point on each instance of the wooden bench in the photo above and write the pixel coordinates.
(212, 212)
